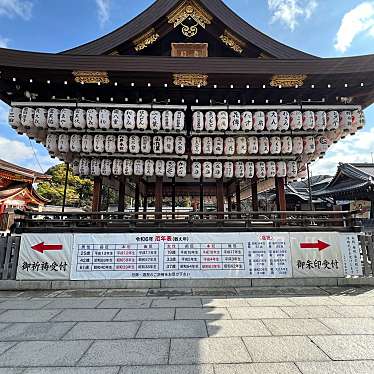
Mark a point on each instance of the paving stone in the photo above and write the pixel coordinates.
(24, 304)
(225, 303)
(148, 314)
(172, 329)
(170, 292)
(346, 347)
(79, 303)
(73, 370)
(257, 313)
(44, 353)
(11, 371)
(236, 328)
(177, 303)
(277, 291)
(349, 326)
(206, 351)
(355, 300)
(346, 367)
(6, 345)
(40, 315)
(285, 368)
(124, 303)
(170, 369)
(214, 292)
(35, 331)
(270, 301)
(353, 311)
(296, 327)
(102, 330)
(127, 352)
(83, 293)
(86, 315)
(314, 301)
(41, 293)
(346, 291)
(126, 292)
(283, 349)
(11, 294)
(202, 313)
(321, 311)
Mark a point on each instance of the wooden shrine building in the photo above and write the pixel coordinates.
(187, 99)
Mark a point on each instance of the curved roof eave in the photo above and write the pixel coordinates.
(161, 8)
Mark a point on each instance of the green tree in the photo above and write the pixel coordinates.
(78, 193)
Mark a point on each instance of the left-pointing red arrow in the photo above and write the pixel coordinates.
(41, 247)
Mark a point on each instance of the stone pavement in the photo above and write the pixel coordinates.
(308, 330)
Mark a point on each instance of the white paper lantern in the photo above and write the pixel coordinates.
(335, 135)
(207, 169)
(297, 145)
(198, 121)
(249, 170)
(76, 143)
(196, 146)
(246, 121)
(180, 145)
(75, 166)
(27, 117)
(358, 120)
(106, 167)
(228, 169)
(134, 144)
(168, 144)
(170, 169)
(117, 119)
(196, 170)
(128, 167)
(210, 121)
(40, 118)
(332, 120)
(322, 144)
(234, 123)
(15, 117)
(283, 120)
(241, 145)
(281, 169)
(292, 169)
(92, 119)
(345, 120)
(95, 167)
(259, 121)
(296, 120)
(239, 169)
(263, 146)
(122, 144)
(64, 143)
(222, 121)
(217, 170)
(308, 120)
(309, 145)
(272, 120)
(53, 118)
(84, 166)
(275, 145)
(51, 143)
(99, 143)
(87, 143)
(66, 118)
(207, 146)
(104, 119)
(167, 120)
(218, 146)
(149, 168)
(286, 145)
(142, 119)
(129, 119)
(138, 167)
(321, 120)
(252, 145)
(117, 168)
(179, 118)
(146, 144)
(271, 169)
(110, 144)
(181, 169)
(155, 120)
(229, 148)
(79, 119)
(160, 168)
(261, 170)
(158, 145)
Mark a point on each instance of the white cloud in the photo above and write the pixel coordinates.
(290, 11)
(103, 10)
(16, 8)
(355, 22)
(4, 42)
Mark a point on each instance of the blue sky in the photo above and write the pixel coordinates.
(324, 28)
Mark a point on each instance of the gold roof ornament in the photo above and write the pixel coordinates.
(91, 77)
(146, 40)
(232, 42)
(190, 80)
(288, 81)
(189, 9)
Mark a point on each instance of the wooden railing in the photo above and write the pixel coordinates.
(9, 251)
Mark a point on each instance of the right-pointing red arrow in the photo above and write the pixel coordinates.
(320, 245)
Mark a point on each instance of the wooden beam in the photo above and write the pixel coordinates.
(238, 196)
(145, 203)
(96, 197)
(229, 203)
(201, 194)
(122, 194)
(220, 196)
(137, 197)
(173, 195)
(158, 195)
(254, 194)
(281, 197)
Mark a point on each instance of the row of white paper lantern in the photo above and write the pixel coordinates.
(278, 120)
(128, 167)
(103, 119)
(112, 144)
(247, 170)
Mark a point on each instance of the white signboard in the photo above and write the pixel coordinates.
(184, 255)
(45, 256)
(351, 254)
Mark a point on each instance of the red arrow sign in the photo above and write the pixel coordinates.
(41, 247)
(320, 245)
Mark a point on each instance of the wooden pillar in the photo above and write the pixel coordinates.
(281, 197)
(173, 196)
(65, 186)
(254, 194)
(137, 197)
(96, 197)
(158, 197)
(122, 195)
(220, 197)
(201, 194)
(229, 203)
(145, 203)
(237, 196)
